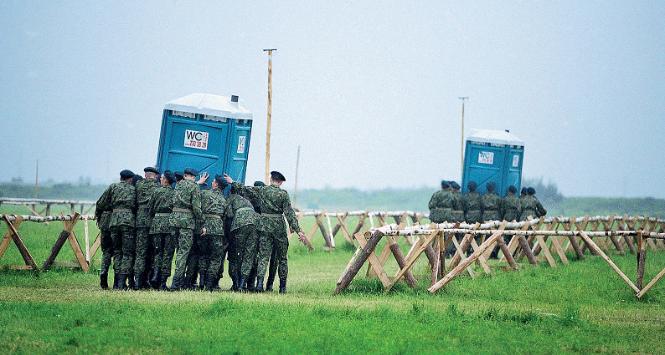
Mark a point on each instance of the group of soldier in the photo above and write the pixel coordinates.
(146, 221)
(449, 205)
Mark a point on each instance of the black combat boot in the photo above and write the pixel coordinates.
(131, 284)
(259, 286)
(282, 285)
(156, 278)
(202, 281)
(175, 285)
(270, 281)
(122, 281)
(116, 281)
(242, 284)
(104, 280)
(138, 284)
(234, 285)
(162, 283)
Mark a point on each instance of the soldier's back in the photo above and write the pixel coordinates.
(441, 206)
(511, 208)
(123, 204)
(491, 202)
(472, 205)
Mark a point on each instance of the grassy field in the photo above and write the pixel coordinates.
(583, 307)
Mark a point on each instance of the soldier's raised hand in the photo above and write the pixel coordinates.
(228, 179)
(203, 178)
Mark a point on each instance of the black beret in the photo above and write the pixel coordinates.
(454, 185)
(444, 184)
(169, 177)
(512, 189)
(491, 186)
(523, 191)
(178, 175)
(277, 176)
(151, 169)
(126, 174)
(136, 178)
(220, 181)
(191, 171)
(472, 186)
(259, 183)
(531, 191)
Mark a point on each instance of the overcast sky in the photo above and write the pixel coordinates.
(368, 89)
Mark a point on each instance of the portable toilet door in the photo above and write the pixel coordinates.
(202, 131)
(486, 159)
(512, 173)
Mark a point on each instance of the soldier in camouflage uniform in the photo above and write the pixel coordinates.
(441, 204)
(491, 204)
(250, 283)
(122, 203)
(211, 242)
(274, 205)
(531, 207)
(472, 205)
(103, 217)
(185, 215)
(244, 238)
(161, 204)
(458, 204)
(193, 267)
(510, 206)
(143, 256)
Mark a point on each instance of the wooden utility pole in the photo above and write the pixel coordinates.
(37, 179)
(463, 98)
(269, 118)
(295, 188)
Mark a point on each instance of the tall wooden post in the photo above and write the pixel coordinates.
(269, 118)
(295, 188)
(463, 98)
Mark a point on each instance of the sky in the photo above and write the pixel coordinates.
(369, 90)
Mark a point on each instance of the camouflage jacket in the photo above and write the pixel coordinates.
(122, 203)
(186, 211)
(441, 206)
(532, 207)
(213, 205)
(491, 206)
(240, 211)
(472, 207)
(103, 211)
(458, 207)
(161, 203)
(274, 203)
(511, 208)
(144, 190)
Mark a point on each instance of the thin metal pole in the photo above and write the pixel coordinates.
(269, 118)
(37, 179)
(295, 188)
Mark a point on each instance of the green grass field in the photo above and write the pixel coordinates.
(583, 307)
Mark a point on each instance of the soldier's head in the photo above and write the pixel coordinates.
(190, 174)
(259, 183)
(167, 178)
(523, 191)
(472, 186)
(455, 186)
(276, 178)
(445, 185)
(219, 182)
(150, 172)
(178, 176)
(512, 190)
(126, 175)
(491, 186)
(531, 191)
(136, 178)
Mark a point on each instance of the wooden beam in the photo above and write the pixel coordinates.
(593, 247)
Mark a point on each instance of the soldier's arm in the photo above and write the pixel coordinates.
(103, 203)
(228, 210)
(196, 204)
(540, 210)
(432, 202)
(249, 192)
(290, 214)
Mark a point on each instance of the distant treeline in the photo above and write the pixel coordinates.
(414, 199)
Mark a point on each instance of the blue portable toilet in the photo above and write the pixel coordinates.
(210, 133)
(493, 156)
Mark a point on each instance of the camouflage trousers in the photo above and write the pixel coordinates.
(166, 258)
(211, 256)
(192, 269)
(144, 251)
(280, 242)
(159, 241)
(107, 250)
(123, 249)
(246, 241)
(184, 238)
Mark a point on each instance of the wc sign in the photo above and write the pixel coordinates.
(196, 139)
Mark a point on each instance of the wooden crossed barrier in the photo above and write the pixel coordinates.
(13, 223)
(537, 240)
(32, 204)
